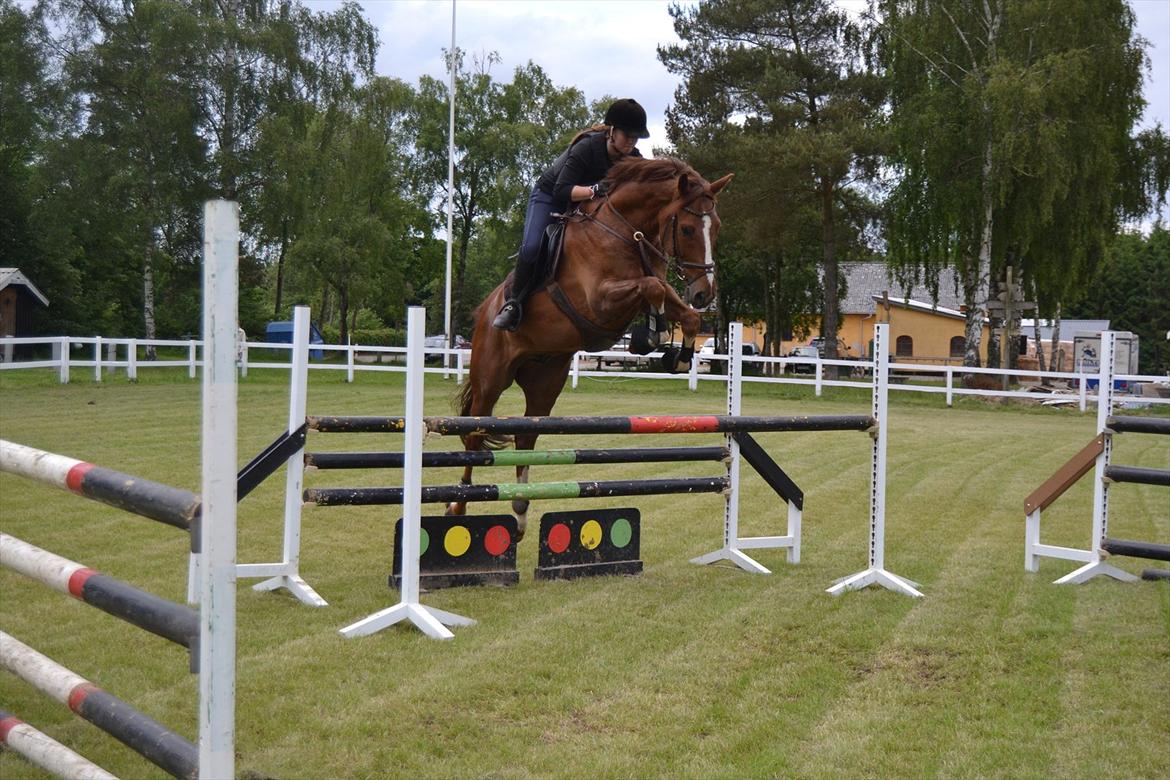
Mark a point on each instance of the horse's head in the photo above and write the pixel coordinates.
(693, 228)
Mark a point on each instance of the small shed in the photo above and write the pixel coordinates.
(19, 299)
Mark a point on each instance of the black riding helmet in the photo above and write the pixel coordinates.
(629, 117)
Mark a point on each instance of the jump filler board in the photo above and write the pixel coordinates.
(462, 550)
(589, 543)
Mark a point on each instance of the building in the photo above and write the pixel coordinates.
(18, 300)
(921, 330)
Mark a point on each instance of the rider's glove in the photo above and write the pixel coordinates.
(600, 189)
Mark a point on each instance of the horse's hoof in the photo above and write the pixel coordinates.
(456, 509)
(521, 526)
(670, 359)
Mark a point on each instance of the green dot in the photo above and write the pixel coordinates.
(621, 532)
(424, 541)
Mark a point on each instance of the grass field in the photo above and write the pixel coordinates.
(682, 672)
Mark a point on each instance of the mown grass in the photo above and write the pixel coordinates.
(684, 671)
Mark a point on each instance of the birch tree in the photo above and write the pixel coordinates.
(1012, 122)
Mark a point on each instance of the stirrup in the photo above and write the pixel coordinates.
(509, 317)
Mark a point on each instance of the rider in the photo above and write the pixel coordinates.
(575, 176)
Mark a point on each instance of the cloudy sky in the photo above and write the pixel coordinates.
(609, 47)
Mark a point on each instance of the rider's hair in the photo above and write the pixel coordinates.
(591, 129)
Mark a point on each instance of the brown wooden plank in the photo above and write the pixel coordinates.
(1065, 477)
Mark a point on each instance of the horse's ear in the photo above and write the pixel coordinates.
(721, 183)
(684, 184)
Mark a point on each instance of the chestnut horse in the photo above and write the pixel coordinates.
(659, 216)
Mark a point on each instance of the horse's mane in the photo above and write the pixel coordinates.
(639, 170)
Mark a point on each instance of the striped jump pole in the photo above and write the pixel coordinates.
(1124, 424)
(164, 748)
(658, 424)
(444, 494)
(394, 460)
(175, 622)
(154, 500)
(47, 753)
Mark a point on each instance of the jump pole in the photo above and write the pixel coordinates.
(733, 544)
(1096, 564)
(876, 574)
(431, 621)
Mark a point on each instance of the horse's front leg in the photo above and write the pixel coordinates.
(644, 292)
(689, 320)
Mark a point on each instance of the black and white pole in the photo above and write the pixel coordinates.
(286, 573)
(1096, 565)
(431, 621)
(733, 543)
(217, 570)
(876, 574)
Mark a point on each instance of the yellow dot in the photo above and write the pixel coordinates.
(456, 540)
(591, 534)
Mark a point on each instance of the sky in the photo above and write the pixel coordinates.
(609, 47)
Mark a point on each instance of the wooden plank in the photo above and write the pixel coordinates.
(1066, 476)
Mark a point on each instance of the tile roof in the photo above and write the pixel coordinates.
(865, 280)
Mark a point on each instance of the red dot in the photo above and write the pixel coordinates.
(497, 540)
(558, 538)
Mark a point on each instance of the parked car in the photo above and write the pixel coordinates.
(810, 353)
(819, 344)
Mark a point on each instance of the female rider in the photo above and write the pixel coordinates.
(575, 176)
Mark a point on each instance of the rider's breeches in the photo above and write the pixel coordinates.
(536, 220)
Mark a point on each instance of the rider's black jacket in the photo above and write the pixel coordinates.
(585, 162)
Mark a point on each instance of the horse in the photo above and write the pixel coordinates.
(658, 215)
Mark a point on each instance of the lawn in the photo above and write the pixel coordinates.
(681, 672)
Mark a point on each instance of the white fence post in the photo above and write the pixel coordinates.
(97, 359)
(950, 386)
(575, 372)
(349, 350)
(132, 360)
(63, 369)
(217, 527)
(820, 376)
(192, 346)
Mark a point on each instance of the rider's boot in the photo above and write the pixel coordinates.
(512, 311)
(510, 315)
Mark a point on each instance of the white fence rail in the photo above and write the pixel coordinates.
(108, 355)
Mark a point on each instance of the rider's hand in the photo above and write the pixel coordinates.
(600, 189)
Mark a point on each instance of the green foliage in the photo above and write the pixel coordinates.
(1011, 124)
(779, 93)
(1130, 288)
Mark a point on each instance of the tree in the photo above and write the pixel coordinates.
(783, 89)
(1012, 123)
(506, 134)
(1130, 288)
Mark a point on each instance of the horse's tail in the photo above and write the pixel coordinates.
(461, 403)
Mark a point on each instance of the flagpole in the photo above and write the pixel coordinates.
(448, 338)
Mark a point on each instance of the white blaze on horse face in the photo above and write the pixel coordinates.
(708, 254)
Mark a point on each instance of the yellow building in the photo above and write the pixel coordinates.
(920, 331)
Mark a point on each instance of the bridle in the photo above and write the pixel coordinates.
(638, 240)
